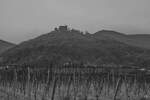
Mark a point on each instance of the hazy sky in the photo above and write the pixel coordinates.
(24, 19)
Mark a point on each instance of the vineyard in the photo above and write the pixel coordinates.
(74, 83)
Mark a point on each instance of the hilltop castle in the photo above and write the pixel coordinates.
(62, 28)
(66, 29)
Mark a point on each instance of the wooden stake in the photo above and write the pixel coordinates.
(53, 90)
(46, 88)
(69, 83)
(117, 88)
(28, 84)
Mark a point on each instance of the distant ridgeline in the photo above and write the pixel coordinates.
(4, 46)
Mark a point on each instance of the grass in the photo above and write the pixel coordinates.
(40, 91)
(73, 87)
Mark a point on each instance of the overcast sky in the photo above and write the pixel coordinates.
(24, 19)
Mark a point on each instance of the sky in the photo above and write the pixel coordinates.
(21, 20)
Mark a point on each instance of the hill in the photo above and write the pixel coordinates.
(61, 46)
(5, 46)
(139, 40)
